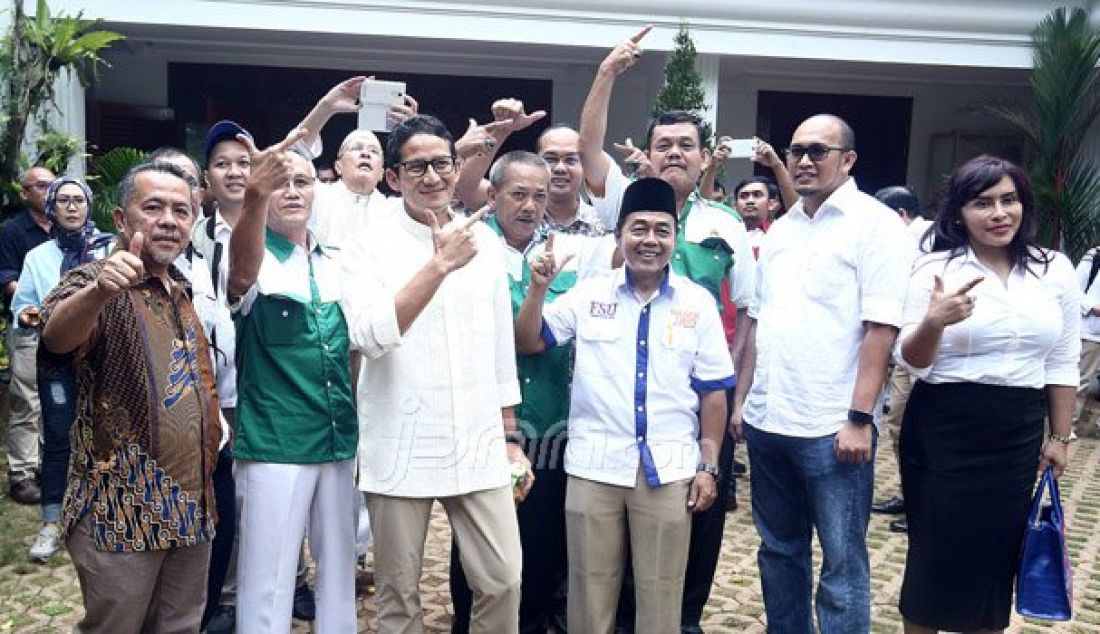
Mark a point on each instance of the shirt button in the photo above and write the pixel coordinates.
(641, 342)
(640, 408)
(677, 256)
(641, 438)
(285, 313)
(641, 375)
(325, 346)
(527, 380)
(334, 423)
(328, 383)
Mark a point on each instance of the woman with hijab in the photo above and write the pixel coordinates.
(991, 330)
(73, 241)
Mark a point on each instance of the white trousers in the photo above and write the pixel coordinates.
(276, 503)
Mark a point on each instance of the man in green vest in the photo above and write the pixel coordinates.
(519, 184)
(297, 430)
(711, 246)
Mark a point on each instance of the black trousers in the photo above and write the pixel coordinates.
(706, 544)
(225, 498)
(545, 560)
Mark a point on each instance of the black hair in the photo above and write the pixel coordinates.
(899, 197)
(672, 117)
(769, 184)
(966, 184)
(407, 129)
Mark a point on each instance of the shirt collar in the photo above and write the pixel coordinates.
(625, 281)
(282, 248)
(835, 201)
(415, 227)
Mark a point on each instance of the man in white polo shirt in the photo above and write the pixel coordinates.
(651, 367)
(833, 275)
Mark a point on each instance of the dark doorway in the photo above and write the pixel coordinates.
(269, 101)
(881, 125)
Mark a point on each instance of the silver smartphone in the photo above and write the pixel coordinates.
(375, 99)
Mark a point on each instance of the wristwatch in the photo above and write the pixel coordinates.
(708, 467)
(860, 418)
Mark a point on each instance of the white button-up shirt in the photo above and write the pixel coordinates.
(821, 278)
(429, 402)
(214, 309)
(1024, 332)
(638, 370)
(1090, 324)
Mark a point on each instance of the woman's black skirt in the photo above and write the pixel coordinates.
(969, 455)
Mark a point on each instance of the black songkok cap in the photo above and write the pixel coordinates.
(647, 194)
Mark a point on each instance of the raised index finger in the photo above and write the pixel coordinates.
(297, 134)
(638, 37)
(965, 288)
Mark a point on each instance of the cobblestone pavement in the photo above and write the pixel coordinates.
(46, 598)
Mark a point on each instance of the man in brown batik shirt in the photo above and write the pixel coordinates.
(139, 509)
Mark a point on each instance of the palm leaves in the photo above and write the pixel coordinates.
(1064, 106)
(32, 55)
(104, 174)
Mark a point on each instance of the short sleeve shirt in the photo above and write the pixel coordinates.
(640, 367)
(294, 402)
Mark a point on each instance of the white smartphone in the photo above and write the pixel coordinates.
(375, 98)
(742, 148)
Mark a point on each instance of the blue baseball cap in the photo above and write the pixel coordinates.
(220, 131)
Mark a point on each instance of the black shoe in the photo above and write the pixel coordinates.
(899, 526)
(224, 620)
(305, 607)
(25, 490)
(691, 629)
(892, 506)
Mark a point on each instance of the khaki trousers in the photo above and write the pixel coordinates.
(1090, 365)
(597, 519)
(161, 592)
(25, 422)
(485, 527)
(901, 384)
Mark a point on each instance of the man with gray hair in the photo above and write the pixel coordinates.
(139, 510)
(518, 192)
(342, 209)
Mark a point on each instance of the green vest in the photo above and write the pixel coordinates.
(294, 401)
(544, 378)
(706, 263)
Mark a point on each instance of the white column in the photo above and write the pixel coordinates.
(69, 115)
(708, 67)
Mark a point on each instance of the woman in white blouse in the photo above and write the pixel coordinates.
(992, 332)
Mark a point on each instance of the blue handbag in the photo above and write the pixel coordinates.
(1044, 583)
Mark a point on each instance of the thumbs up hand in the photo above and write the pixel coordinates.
(124, 268)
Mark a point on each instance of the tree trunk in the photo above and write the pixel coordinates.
(11, 140)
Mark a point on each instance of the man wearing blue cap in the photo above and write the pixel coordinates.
(634, 461)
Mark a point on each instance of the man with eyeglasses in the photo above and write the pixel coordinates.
(342, 209)
(438, 387)
(296, 435)
(833, 270)
(711, 249)
(17, 237)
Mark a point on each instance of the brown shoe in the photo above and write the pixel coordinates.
(25, 491)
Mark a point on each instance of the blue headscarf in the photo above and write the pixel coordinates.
(76, 246)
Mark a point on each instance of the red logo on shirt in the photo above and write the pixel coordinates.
(603, 310)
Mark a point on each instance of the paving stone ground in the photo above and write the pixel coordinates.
(46, 598)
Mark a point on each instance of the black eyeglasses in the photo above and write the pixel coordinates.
(63, 202)
(419, 167)
(817, 151)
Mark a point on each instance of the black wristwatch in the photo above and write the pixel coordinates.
(708, 467)
(860, 418)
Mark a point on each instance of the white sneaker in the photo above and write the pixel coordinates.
(47, 543)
